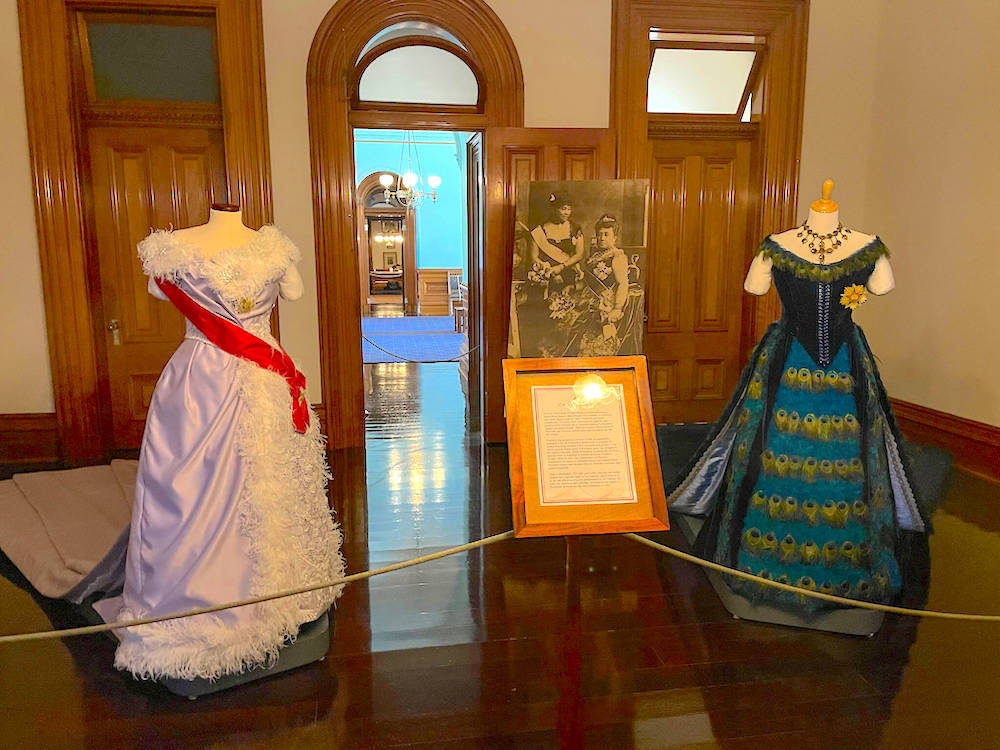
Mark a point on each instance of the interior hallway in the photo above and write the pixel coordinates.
(510, 647)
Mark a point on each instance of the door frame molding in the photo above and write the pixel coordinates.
(331, 78)
(785, 23)
(62, 215)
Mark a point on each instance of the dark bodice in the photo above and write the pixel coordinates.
(565, 245)
(811, 295)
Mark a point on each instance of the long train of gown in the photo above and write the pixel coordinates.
(230, 500)
(802, 479)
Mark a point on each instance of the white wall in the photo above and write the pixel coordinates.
(932, 192)
(900, 113)
(25, 377)
(839, 102)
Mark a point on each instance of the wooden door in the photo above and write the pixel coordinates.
(515, 156)
(473, 329)
(144, 177)
(699, 250)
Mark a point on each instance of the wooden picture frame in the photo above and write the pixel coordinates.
(548, 402)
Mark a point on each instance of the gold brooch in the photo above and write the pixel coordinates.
(246, 305)
(853, 296)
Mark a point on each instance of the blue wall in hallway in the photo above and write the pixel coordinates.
(441, 225)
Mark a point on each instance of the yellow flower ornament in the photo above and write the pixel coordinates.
(853, 296)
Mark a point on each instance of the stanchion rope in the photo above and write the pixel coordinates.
(806, 592)
(91, 629)
(416, 361)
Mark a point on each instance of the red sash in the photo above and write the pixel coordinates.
(241, 343)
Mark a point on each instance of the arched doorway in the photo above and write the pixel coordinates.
(352, 35)
(372, 206)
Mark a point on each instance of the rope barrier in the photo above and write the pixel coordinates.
(45, 635)
(418, 361)
(91, 629)
(806, 592)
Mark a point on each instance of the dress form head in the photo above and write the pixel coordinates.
(824, 214)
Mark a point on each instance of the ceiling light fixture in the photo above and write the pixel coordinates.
(406, 190)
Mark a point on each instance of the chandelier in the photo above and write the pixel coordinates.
(406, 190)
(389, 240)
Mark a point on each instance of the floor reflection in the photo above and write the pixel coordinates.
(511, 647)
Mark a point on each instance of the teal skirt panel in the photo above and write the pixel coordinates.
(807, 522)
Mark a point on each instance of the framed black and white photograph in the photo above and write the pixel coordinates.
(579, 265)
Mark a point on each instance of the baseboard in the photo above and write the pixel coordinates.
(975, 445)
(29, 442)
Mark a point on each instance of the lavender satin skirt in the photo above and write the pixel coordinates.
(230, 504)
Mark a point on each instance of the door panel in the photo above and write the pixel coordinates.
(472, 365)
(697, 260)
(515, 156)
(143, 178)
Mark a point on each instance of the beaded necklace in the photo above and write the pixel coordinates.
(818, 242)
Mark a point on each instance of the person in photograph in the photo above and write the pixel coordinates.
(557, 245)
(613, 296)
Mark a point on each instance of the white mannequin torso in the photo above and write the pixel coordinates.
(758, 279)
(222, 231)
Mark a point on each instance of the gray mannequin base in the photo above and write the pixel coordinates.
(311, 645)
(850, 620)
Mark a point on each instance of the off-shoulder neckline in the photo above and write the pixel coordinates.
(263, 234)
(876, 240)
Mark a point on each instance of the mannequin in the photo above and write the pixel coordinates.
(802, 479)
(824, 217)
(223, 230)
(230, 498)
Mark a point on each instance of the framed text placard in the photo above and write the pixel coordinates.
(582, 445)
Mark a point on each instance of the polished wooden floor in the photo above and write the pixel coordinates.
(594, 643)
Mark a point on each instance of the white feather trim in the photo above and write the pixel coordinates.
(293, 542)
(234, 272)
(283, 510)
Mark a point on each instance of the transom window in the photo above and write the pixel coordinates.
(419, 75)
(149, 57)
(416, 63)
(703, 74)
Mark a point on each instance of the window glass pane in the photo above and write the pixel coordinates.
(747, 109)
(419, 75)
(154, 61)
(698, 81)
(409, 28)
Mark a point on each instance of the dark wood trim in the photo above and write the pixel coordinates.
(60, 209)
(153, 114)
(975, 445)
(27, 439)
(59, 217)
(724, 46)
(784, 25)
(417, 118)
(670, 126)
(415, 40)
(339, 41)
(752, 80)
